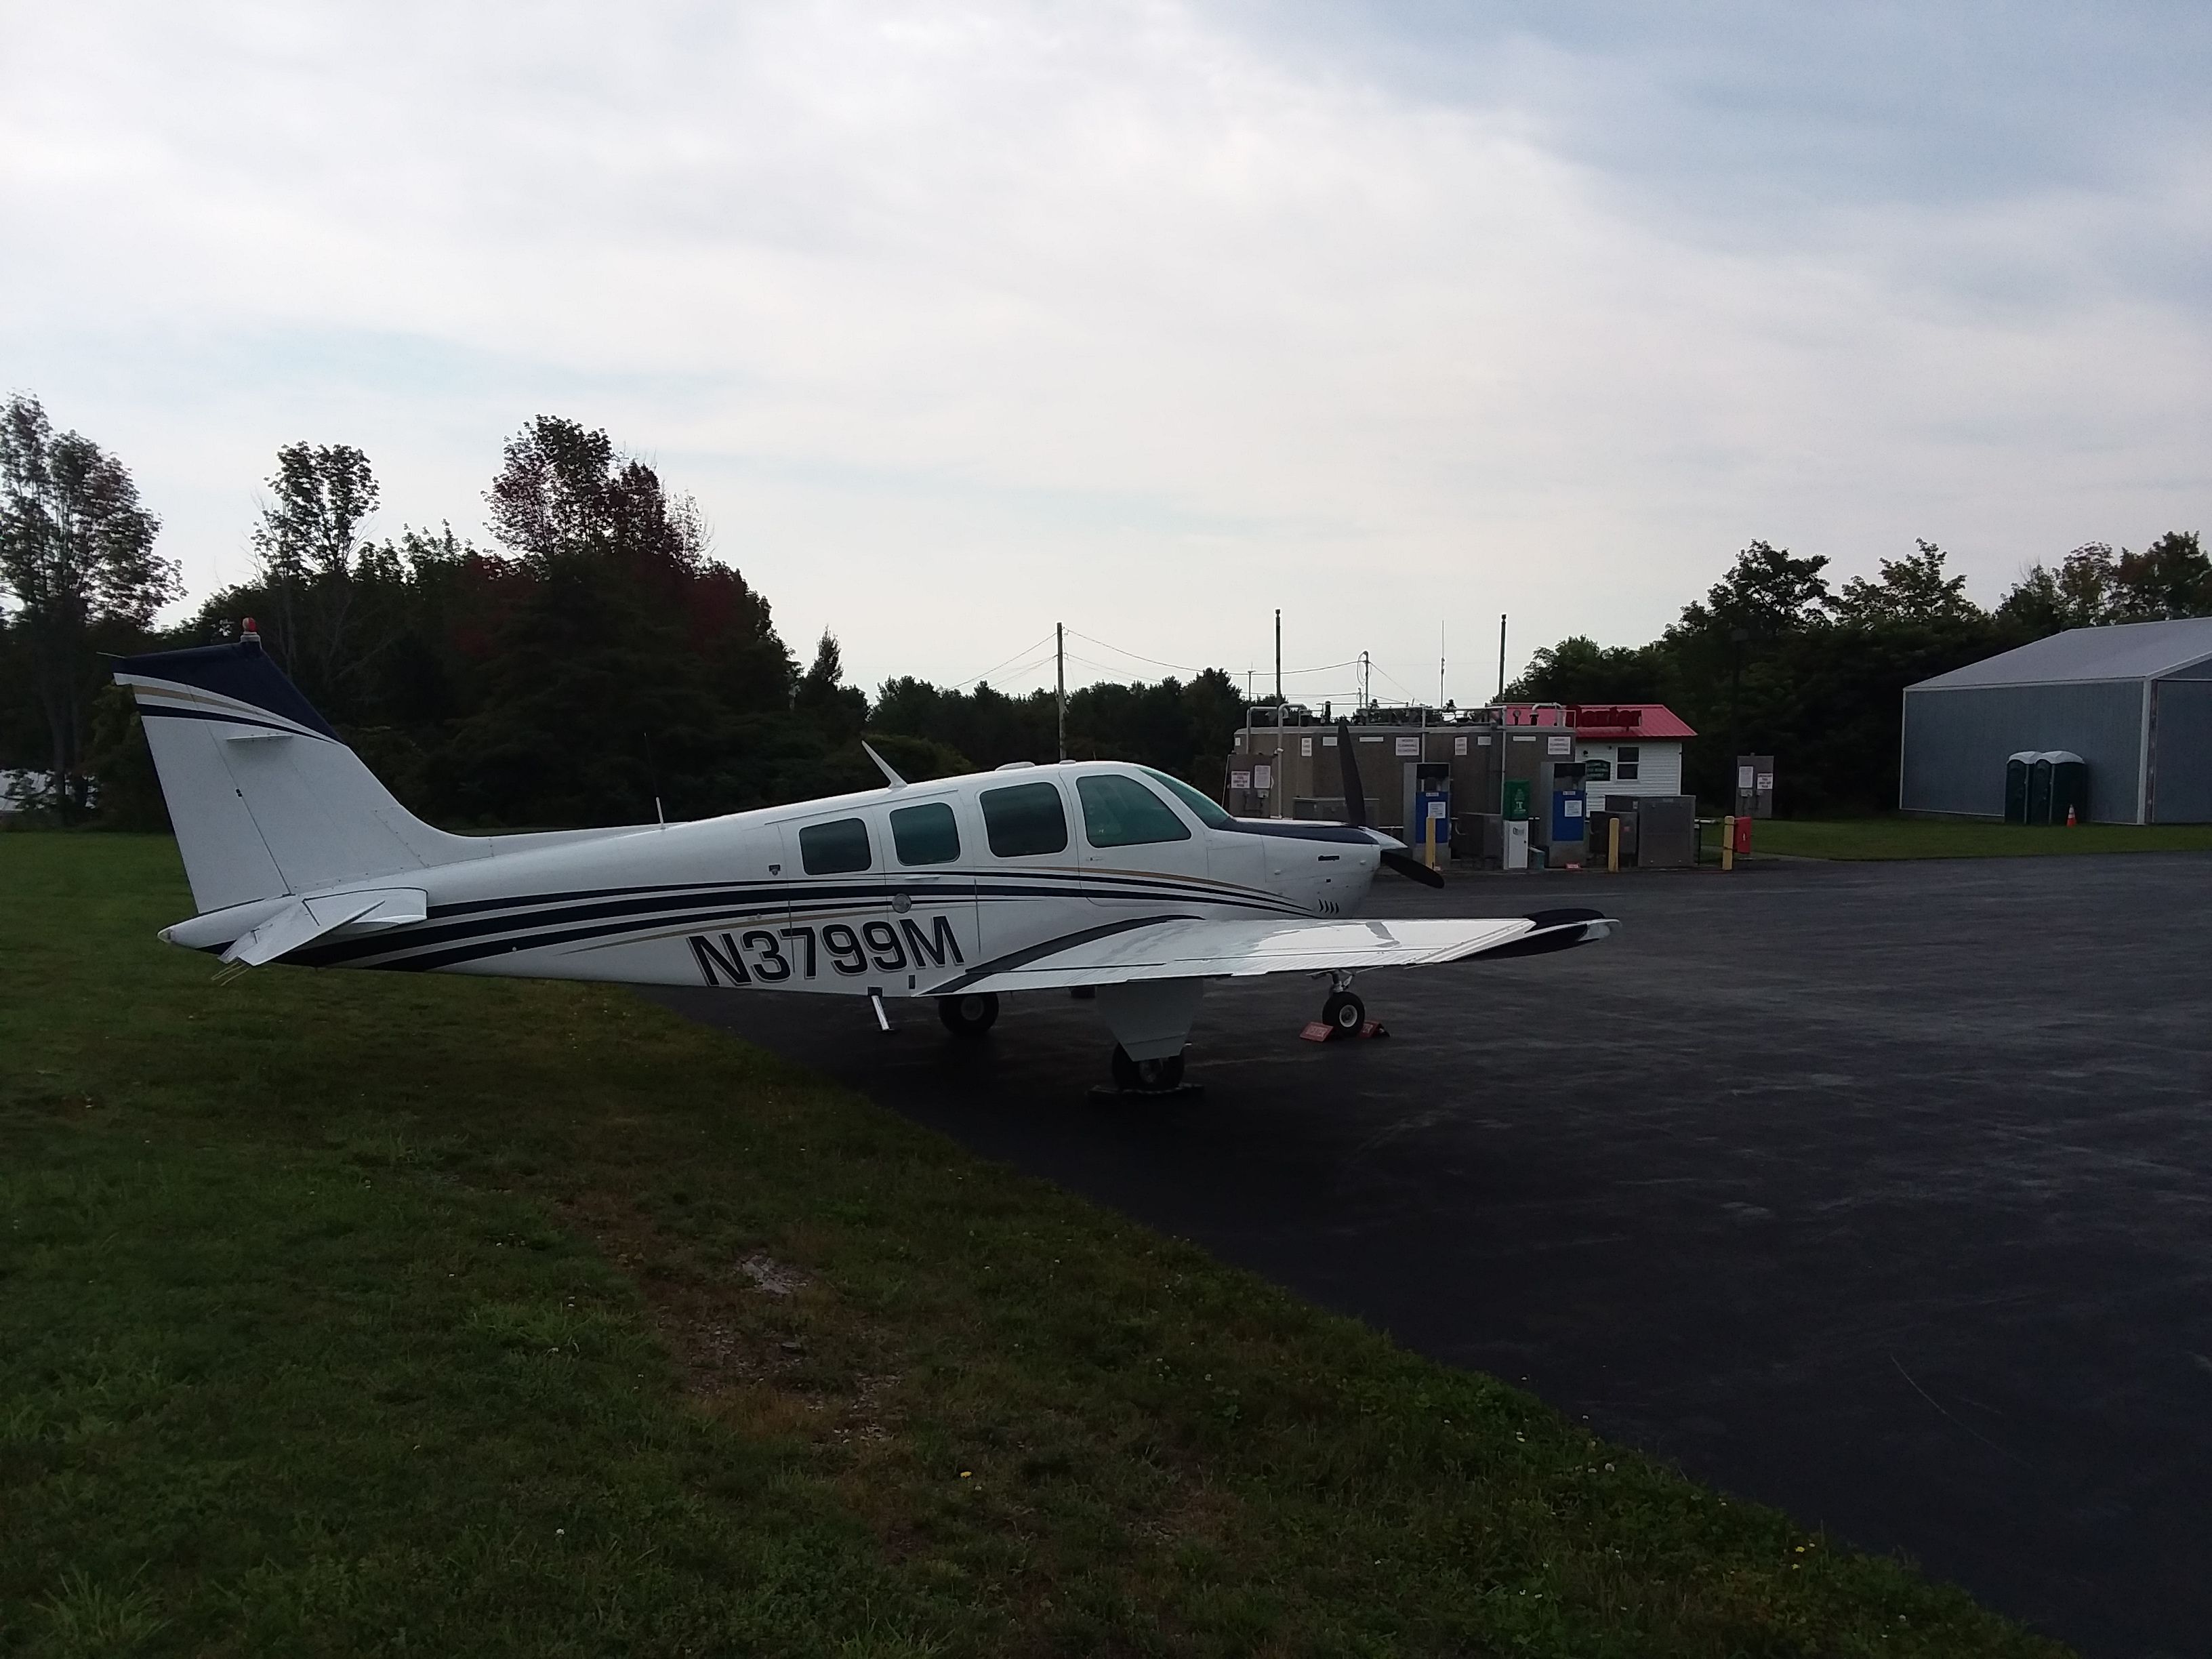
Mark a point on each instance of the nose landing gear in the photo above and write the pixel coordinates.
(1342, 1014)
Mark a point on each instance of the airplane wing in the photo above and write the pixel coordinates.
(1188, 947)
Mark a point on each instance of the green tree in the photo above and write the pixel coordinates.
(838, 711)
(611, 662)
(309, 534)
(77, 556)
(1912, 589)
(1768, 590)
(1580, 670)
(2078, 594)
(2170, 578)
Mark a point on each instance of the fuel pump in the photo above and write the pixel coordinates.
(1569, 814)
(1431, 832)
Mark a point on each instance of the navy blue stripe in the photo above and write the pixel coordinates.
(654, 911)
(528, 915)
(1027, 954)
(1296, 829)
(499, 936)
(1024, 882)
(148, 711)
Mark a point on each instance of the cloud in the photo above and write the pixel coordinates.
(962, 321)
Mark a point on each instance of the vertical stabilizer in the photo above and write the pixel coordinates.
(266, 798)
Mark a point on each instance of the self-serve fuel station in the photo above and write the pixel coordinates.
(1503, 786)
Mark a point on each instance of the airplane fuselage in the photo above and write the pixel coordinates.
(902, 892)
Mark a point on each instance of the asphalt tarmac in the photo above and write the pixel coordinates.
(1881, 1193)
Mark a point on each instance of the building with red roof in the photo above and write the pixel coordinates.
(1293, 771)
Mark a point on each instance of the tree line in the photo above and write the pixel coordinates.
(595, 665)
(1775, 660)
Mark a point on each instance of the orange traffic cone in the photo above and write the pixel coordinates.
(2069, 818)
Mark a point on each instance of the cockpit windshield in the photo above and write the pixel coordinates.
(1209, 814)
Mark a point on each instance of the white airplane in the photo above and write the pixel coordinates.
(1109, 880)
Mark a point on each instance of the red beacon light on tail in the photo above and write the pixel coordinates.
(248, 630)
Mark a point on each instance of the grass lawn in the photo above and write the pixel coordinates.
(1953, 838)
(356, 1313)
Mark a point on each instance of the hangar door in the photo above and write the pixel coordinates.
(2181, 752)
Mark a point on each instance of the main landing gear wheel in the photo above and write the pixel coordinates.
(1146, 1077)
(1343, 1013)
(969, 1016)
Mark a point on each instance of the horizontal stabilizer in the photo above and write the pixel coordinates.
(305, 920)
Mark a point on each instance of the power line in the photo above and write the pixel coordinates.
(1394, 680)
(1179, 667)
(1185, 668)
(997, 667)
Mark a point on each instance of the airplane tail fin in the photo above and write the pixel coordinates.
(266, 797)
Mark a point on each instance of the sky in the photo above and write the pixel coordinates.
(962, 321)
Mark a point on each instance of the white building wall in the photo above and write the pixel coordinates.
(1658, 771)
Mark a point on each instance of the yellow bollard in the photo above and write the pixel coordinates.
(1612, 846)
(1430, 836)
(1728, 843)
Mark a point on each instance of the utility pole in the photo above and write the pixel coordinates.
(1501, 656)
(1366, 680)
(1275, 795)
(1440, 665)
(1736, 637)
(1060, 652)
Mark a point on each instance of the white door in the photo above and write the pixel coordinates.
(1026, 888)
(932, 929)
(834, 885)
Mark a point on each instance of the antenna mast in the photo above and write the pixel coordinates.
(1501, 656)
(1060, 653)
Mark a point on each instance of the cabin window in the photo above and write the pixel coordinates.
(925, 834)
(1624, 763)
(833, 848)
(1024, 820)
(1122, 812)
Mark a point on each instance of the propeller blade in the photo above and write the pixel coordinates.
(1412, 868)
(1355, 798)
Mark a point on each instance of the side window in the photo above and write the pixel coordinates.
(831, 849)
(1122, 812)
(925, 834)
(1624, 763)
(1024, 820)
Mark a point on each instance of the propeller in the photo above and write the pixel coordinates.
(1394, 855)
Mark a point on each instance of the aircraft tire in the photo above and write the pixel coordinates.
(1343, 1013)
(969, 1016)
(1146, 1077)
